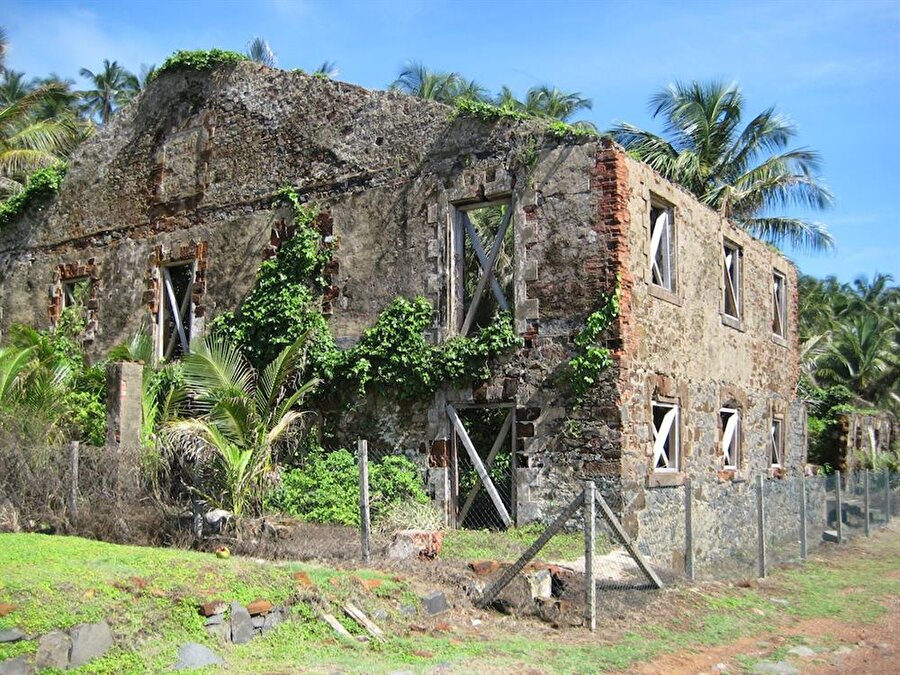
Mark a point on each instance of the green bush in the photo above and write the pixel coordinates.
(199, 59)
(41, 185)
(326, 488)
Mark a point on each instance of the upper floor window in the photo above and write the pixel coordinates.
(779, 305)
(662, 247)
(483, 264)
(666, 441)
(176, 309)
(731, 269)
(730, 419)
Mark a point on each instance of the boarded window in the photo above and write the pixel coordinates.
(666, 452)
(730, 419)
(779, 305)
(777, 450)
(483, 264)
(662, 247)
(175, 310)
(731, 269)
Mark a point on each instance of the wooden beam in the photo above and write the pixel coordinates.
(614, 523)
(491, 592)
(357, 615)
(365, 526)
(479, 466)
(498, 443)
(483, 261)
(482, 282)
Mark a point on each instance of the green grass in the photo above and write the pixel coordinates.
(507, 545)
(57, 582)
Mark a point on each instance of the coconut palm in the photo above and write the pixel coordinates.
(243, 417)
(745, 173)
(259, 50)
(28, 143)
(114, 86)
(417, 80)
(552, 102)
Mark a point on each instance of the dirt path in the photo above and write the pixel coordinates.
(814, 646)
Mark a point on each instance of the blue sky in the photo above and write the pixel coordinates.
(833, 67)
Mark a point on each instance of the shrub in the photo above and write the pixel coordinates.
(199, 59)
(326, 488)
(41, 185)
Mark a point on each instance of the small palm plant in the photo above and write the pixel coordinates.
(242, 417)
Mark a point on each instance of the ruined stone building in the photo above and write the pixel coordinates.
(167, 211)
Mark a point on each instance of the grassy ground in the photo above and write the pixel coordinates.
(149, 596)
(508, 545)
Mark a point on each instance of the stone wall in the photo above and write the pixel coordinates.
(680, 348)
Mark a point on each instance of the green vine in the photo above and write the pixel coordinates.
(394, 353)
(200, 59)
(284, 302)
(588, 366)
(41, 185)
(559, 129)
(486, 112)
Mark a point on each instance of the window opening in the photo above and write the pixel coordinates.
(662, 247)
(779, 305)
(731, 437)
(665, 437)
(485, 260)
(777, 450)
(732, 272)
(76, 292)
(175, 310)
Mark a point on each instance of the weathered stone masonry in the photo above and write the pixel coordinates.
(190, 170)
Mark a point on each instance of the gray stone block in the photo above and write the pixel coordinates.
(215, 619)
(89, 641)
(775, 668)
(53, 651)
(435, 603)
(16, 666)
(272, 619)
(193, 655)
(11, 635)
(241, 624)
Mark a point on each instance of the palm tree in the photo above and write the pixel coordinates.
(259, 50)
(327, 69)
(547, 101)
(744, 173)
(417, 80)
(114, 86)
(28, 143)
(244, 415)
(13, 86)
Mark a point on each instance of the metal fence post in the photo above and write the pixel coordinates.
(866, 502)
(803, 550)
(838, 507)
(688, 530)
(73, 481)
(761, 523)
(590, 534)
(364, 523)
(887, 496)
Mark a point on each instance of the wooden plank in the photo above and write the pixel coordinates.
(491, 592)
(482, 282)
(479, 466)
(483, 261)
(357, 615)
(365, 525)
(337, 626)
(590, 535)
(614, 523)
(498, 443)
